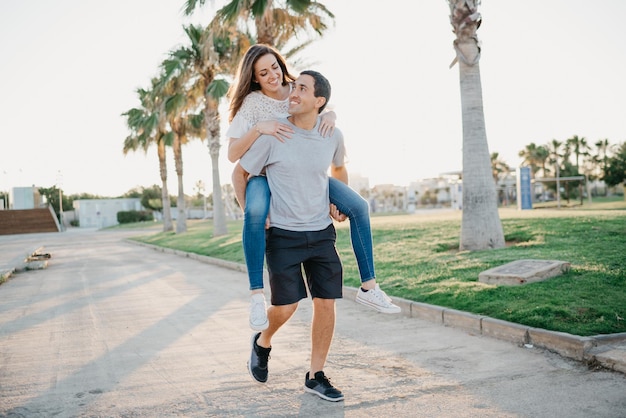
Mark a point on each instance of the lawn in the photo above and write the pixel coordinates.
(417, 258)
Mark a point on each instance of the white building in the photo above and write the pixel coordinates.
(102, 213)
(25, 198)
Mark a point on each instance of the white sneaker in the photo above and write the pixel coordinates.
(258, 312)
(376, 298)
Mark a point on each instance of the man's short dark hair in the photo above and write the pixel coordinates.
(321, 86)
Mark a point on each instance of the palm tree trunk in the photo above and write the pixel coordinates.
(211, 117)
(181, 219)
(219, 215)
(480, 226)
(165, 196)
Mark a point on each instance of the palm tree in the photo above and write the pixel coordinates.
(615, 172)
(541, 157)
(601, 157)
(603, 147)
(480, 225)
(147, 127)
(177, 108)
(535, 156)
(555, 157)
(529, 156)
(212, 51)
(498, 166)
(579, 147)
(218, 49)
(275, 21)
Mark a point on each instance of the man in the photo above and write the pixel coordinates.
(301, 233)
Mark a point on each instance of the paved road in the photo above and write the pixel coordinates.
(113, 329)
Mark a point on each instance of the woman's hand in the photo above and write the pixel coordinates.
(278, 130)
(327, 123)
(336, 215)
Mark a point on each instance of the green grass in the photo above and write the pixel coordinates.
(417, 258)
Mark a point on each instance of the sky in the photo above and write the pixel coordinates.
(70, 68)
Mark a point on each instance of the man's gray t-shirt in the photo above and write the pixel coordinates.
(297, 173)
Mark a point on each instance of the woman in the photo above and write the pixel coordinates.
(259, 96)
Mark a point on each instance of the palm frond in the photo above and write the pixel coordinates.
(218, 88)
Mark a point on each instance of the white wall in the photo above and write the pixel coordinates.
(102, 213)
(22, 197)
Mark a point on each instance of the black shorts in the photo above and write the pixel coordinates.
(287, 252)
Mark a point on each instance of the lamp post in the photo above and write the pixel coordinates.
(201, 189)
(60, 183)
(558, 187)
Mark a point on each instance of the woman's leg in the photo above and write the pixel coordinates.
(351, 204)
(253, 238)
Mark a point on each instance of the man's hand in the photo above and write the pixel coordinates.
(336, 215)
(327, 123)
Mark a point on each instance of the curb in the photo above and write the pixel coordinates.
(607, 351)
(27, 260)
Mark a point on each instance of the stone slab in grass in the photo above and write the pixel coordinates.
(523, 271)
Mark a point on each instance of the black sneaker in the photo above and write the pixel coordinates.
(322, 387)
(257, 365)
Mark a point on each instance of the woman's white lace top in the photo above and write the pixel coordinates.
(256, 107)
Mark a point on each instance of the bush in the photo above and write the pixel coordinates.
(130, 216)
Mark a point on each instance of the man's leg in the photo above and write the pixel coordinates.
(322, 330)
(277, 316)
(262, 341)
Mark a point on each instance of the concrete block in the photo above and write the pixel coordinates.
(523, 271)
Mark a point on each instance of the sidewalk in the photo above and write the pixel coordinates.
(111, 328)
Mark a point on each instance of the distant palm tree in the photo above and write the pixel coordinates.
(147, 127)
(616, 168)
(529, 155)
(579, 147)
(498, 166)
(480, 225)
(601, 158)
(541, 157)
(555, 157)
(536, 157)
(603, 148)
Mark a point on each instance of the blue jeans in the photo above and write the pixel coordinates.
(347, 201)
(253, 235)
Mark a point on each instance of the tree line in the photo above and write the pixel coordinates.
(576, 156)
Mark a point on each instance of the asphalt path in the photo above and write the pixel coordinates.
(113, 329)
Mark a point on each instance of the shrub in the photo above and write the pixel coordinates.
(130, 216)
